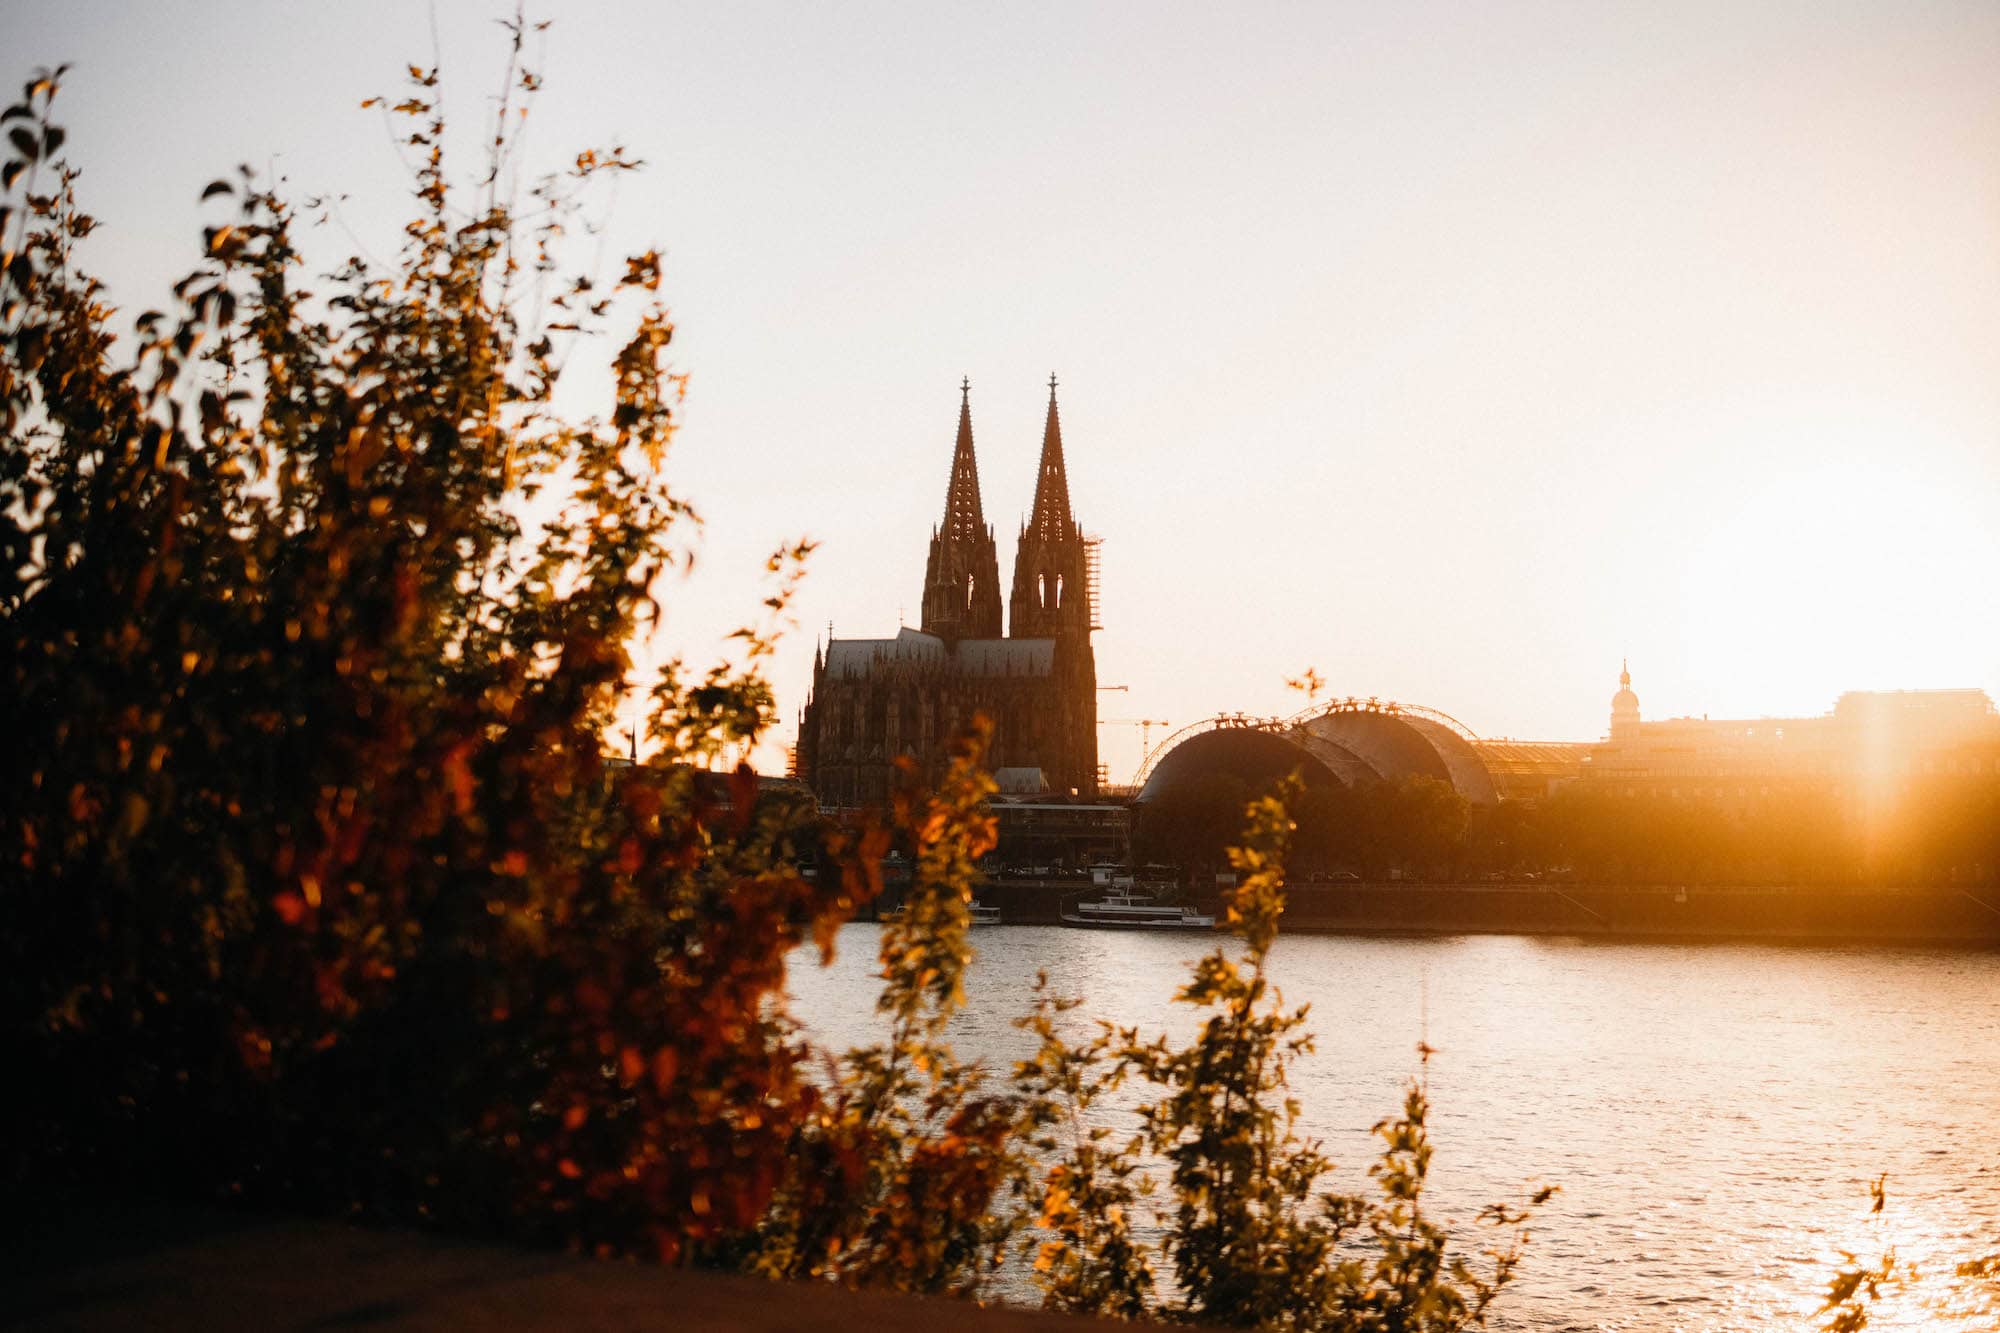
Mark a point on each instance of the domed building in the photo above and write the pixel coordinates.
(1624, 707)
(1356, 741)
(1873, 745)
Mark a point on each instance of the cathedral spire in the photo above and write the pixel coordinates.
(1050, 519)
(963, 518)
(1051, 596)
(962, 577)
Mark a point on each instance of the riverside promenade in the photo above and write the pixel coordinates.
(1927, 914)
(171, 1268)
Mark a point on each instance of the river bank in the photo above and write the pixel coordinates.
(169, 1267)
(1896, 915)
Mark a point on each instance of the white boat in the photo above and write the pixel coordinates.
(1122, 909)
(982, 915)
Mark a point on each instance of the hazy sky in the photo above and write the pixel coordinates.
(1453, 350)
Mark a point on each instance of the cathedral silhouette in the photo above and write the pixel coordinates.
(873, 700)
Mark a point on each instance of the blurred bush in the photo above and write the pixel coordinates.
(322, 892)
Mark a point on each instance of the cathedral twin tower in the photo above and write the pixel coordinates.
(962, 579)
(875, 699)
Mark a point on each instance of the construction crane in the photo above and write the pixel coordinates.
(1144, 724)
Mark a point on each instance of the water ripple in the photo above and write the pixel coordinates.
(1713, 1113)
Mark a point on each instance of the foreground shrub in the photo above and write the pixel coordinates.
(322, 892)
(319, 885)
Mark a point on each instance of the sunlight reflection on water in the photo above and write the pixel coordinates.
(1713, 1113)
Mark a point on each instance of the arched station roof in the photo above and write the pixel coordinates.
(1347, 741)
(1252, 753)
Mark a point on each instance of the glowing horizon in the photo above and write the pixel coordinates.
(1452, 354)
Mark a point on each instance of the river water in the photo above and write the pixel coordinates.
(1713, 1113)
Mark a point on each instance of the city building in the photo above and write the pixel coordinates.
(1044, 836)
(1871, 748)
(1873, 744)
(875, 700)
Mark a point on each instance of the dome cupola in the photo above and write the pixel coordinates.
(1624, 706)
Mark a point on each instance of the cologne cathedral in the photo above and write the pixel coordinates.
(874, 700)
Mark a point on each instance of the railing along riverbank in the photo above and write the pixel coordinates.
(1915, 914)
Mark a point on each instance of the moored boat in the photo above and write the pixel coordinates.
(1122, 909)
(982, 915)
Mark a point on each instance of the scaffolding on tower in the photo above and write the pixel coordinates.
(1091, 582)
